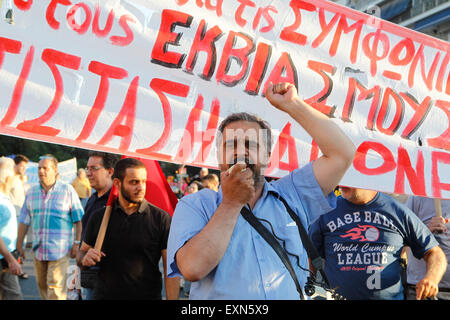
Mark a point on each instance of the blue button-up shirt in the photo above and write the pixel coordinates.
(250, 268)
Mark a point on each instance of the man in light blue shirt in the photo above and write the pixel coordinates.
(211, 245)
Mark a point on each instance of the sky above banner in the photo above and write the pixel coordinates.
(153, 79)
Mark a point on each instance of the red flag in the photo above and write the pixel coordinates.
(158, 190)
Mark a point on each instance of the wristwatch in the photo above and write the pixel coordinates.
(77, 241)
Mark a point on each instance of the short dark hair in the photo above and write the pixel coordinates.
(109, 160)
(19, 158)
(244, 116)
(123, 164)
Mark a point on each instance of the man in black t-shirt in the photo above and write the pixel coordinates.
(99, 171)
(135, 240)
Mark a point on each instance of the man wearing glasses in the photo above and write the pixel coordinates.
(52, 208)
(99, 171)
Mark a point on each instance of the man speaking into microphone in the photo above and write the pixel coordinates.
(214, 247)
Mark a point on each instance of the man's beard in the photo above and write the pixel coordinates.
(127, 197)
(258, 178)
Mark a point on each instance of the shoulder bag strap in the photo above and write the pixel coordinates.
(316, 260)
(255, 223)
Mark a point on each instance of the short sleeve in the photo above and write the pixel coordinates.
(165, 229)
(302, 186)
(189, 218)
(418, 236)
(25, 215)
(77, 210)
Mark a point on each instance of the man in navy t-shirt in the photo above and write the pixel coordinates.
(362, 239)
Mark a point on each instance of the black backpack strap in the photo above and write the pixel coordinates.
(255, 223)
(404, 265)
(316, 260)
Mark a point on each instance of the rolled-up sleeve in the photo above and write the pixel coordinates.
(303, 182)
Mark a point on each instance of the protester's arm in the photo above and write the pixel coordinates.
(172, 284)
(13, 264)
(338, 150)
(76, 245)
(23, 229)
(438, 224)
(88, 256)
(436, 264)
(203, 252)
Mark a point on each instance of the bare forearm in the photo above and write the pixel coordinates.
(78, 227)
(331, 140)
(172, 288)
(436, 262)
(203, 252)
(21, 235)
(4, 251)
(338, 150)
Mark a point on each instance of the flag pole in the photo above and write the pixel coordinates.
(437, 207)
(104, 225)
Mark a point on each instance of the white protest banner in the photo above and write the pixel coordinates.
(154, 78)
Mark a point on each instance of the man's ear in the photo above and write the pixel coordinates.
(111, 171)
(116, 183)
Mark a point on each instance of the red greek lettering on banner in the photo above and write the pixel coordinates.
(265, 13)
(23, 5)
(416, 177)
(80, 29)
(108, 25)
(229, 54)
(128, 111)
(289, 33)
(286, 142)
(427, 78)
(18, 88)
(342, 27)
(283, 71)
(421, 111)
(208, 5)
(359, 162)
(192, 134)
(403, 48)
(240, 10)
(204, 41)
(373, 93)
(10, 46)
(441, 74)
(52, 58)
(371, 49)
(105, 72)
(389, 95)
(319, 100)
(128, 38)
(161, 87)
(160, 54)
(50, 12)
(259, 68)
(443, 141)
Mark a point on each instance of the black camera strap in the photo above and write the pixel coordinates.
(255, 223)
(316, 260)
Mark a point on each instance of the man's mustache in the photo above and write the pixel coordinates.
(245, 160)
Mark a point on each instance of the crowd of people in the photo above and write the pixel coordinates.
(362, 236)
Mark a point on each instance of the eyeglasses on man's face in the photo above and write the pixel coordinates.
(92, 168)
